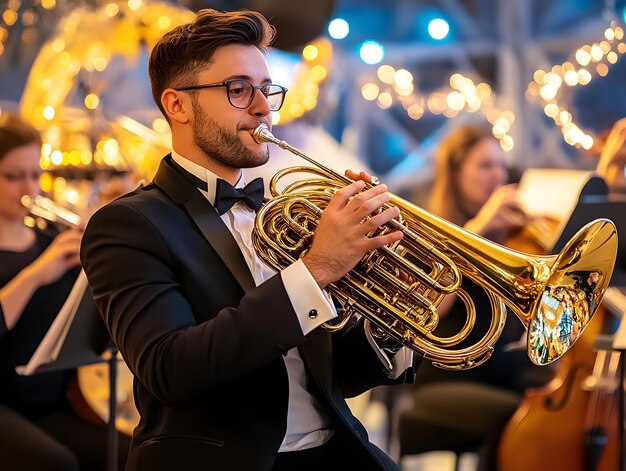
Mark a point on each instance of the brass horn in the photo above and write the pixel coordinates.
(46, 210)
(399, 287)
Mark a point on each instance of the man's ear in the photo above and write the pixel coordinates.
(176, 105)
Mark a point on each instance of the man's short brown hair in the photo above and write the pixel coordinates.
(15, 132)
(183, 52)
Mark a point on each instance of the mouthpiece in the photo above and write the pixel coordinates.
(262, 134)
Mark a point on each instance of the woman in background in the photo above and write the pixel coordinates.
(466, 410)
(38, 428)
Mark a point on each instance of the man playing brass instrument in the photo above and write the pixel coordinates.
(232, 370)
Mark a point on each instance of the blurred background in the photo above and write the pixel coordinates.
(384, 79)
(373, 85)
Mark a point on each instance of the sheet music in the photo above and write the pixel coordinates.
(49, 348)
(552, 193)
(615, 301)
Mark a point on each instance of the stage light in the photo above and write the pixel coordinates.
(338, 28)
(372, 52)
(438, 28)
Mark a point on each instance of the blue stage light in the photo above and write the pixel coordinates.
(338, 28)
(372, 52)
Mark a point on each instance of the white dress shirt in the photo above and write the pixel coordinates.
(307, 425)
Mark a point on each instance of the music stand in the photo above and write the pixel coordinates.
(85, 343)
(590, 207)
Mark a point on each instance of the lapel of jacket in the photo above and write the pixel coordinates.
(181, 191)
(317, 355)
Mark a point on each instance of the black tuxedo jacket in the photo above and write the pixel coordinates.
(206, 345)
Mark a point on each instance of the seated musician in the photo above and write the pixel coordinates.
(466, 410)
(39, 430)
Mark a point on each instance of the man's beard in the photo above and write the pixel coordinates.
(216, 143)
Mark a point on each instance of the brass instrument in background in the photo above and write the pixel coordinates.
(43, 210)
(399, 287)
(91, 399)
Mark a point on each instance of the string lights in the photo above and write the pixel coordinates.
(463, 95)
(304, 88)
(589, 61)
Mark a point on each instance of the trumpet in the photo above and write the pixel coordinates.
(399, 287)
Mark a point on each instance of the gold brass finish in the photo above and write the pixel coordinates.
(399, 287)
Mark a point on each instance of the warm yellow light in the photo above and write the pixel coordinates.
(455, 79)
(551, 110)
(403, 78)
(583, 57)
(538, 76)
(160, 125)
(584, 76)
(49, 113)
(46, 149)
(296, 110)
(547, 92)
(71, 195)
(135, 4)
(370, 91)
(310, 52)
(45, 182)
(602, 70)
(571, 78)
(59, 184)
(9, 17)
(611, 57)
(85, 157)
(609, 34)
(507, 143)
(111, 10)
(587, 142)
(100, 63)
(498, 131)
(386, 74)
(111, 147)
(384, 100)
(596, 53)
(164, 22)
(565, 117)
(437, 103)
(58, 46)
(48, 4)
(91, 101)
(455, 101)
(74, 157)
(483, 91)
(415, 111)
(509, 116)
(318, 72)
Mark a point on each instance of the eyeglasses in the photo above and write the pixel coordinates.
(241, 93)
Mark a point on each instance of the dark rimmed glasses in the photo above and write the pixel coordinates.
(240, 93)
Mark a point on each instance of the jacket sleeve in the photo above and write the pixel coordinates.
(130, 271)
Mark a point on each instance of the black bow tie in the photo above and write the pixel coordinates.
(227, 195)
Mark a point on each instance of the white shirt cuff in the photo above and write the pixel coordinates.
(395, 365)
(310, 303)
